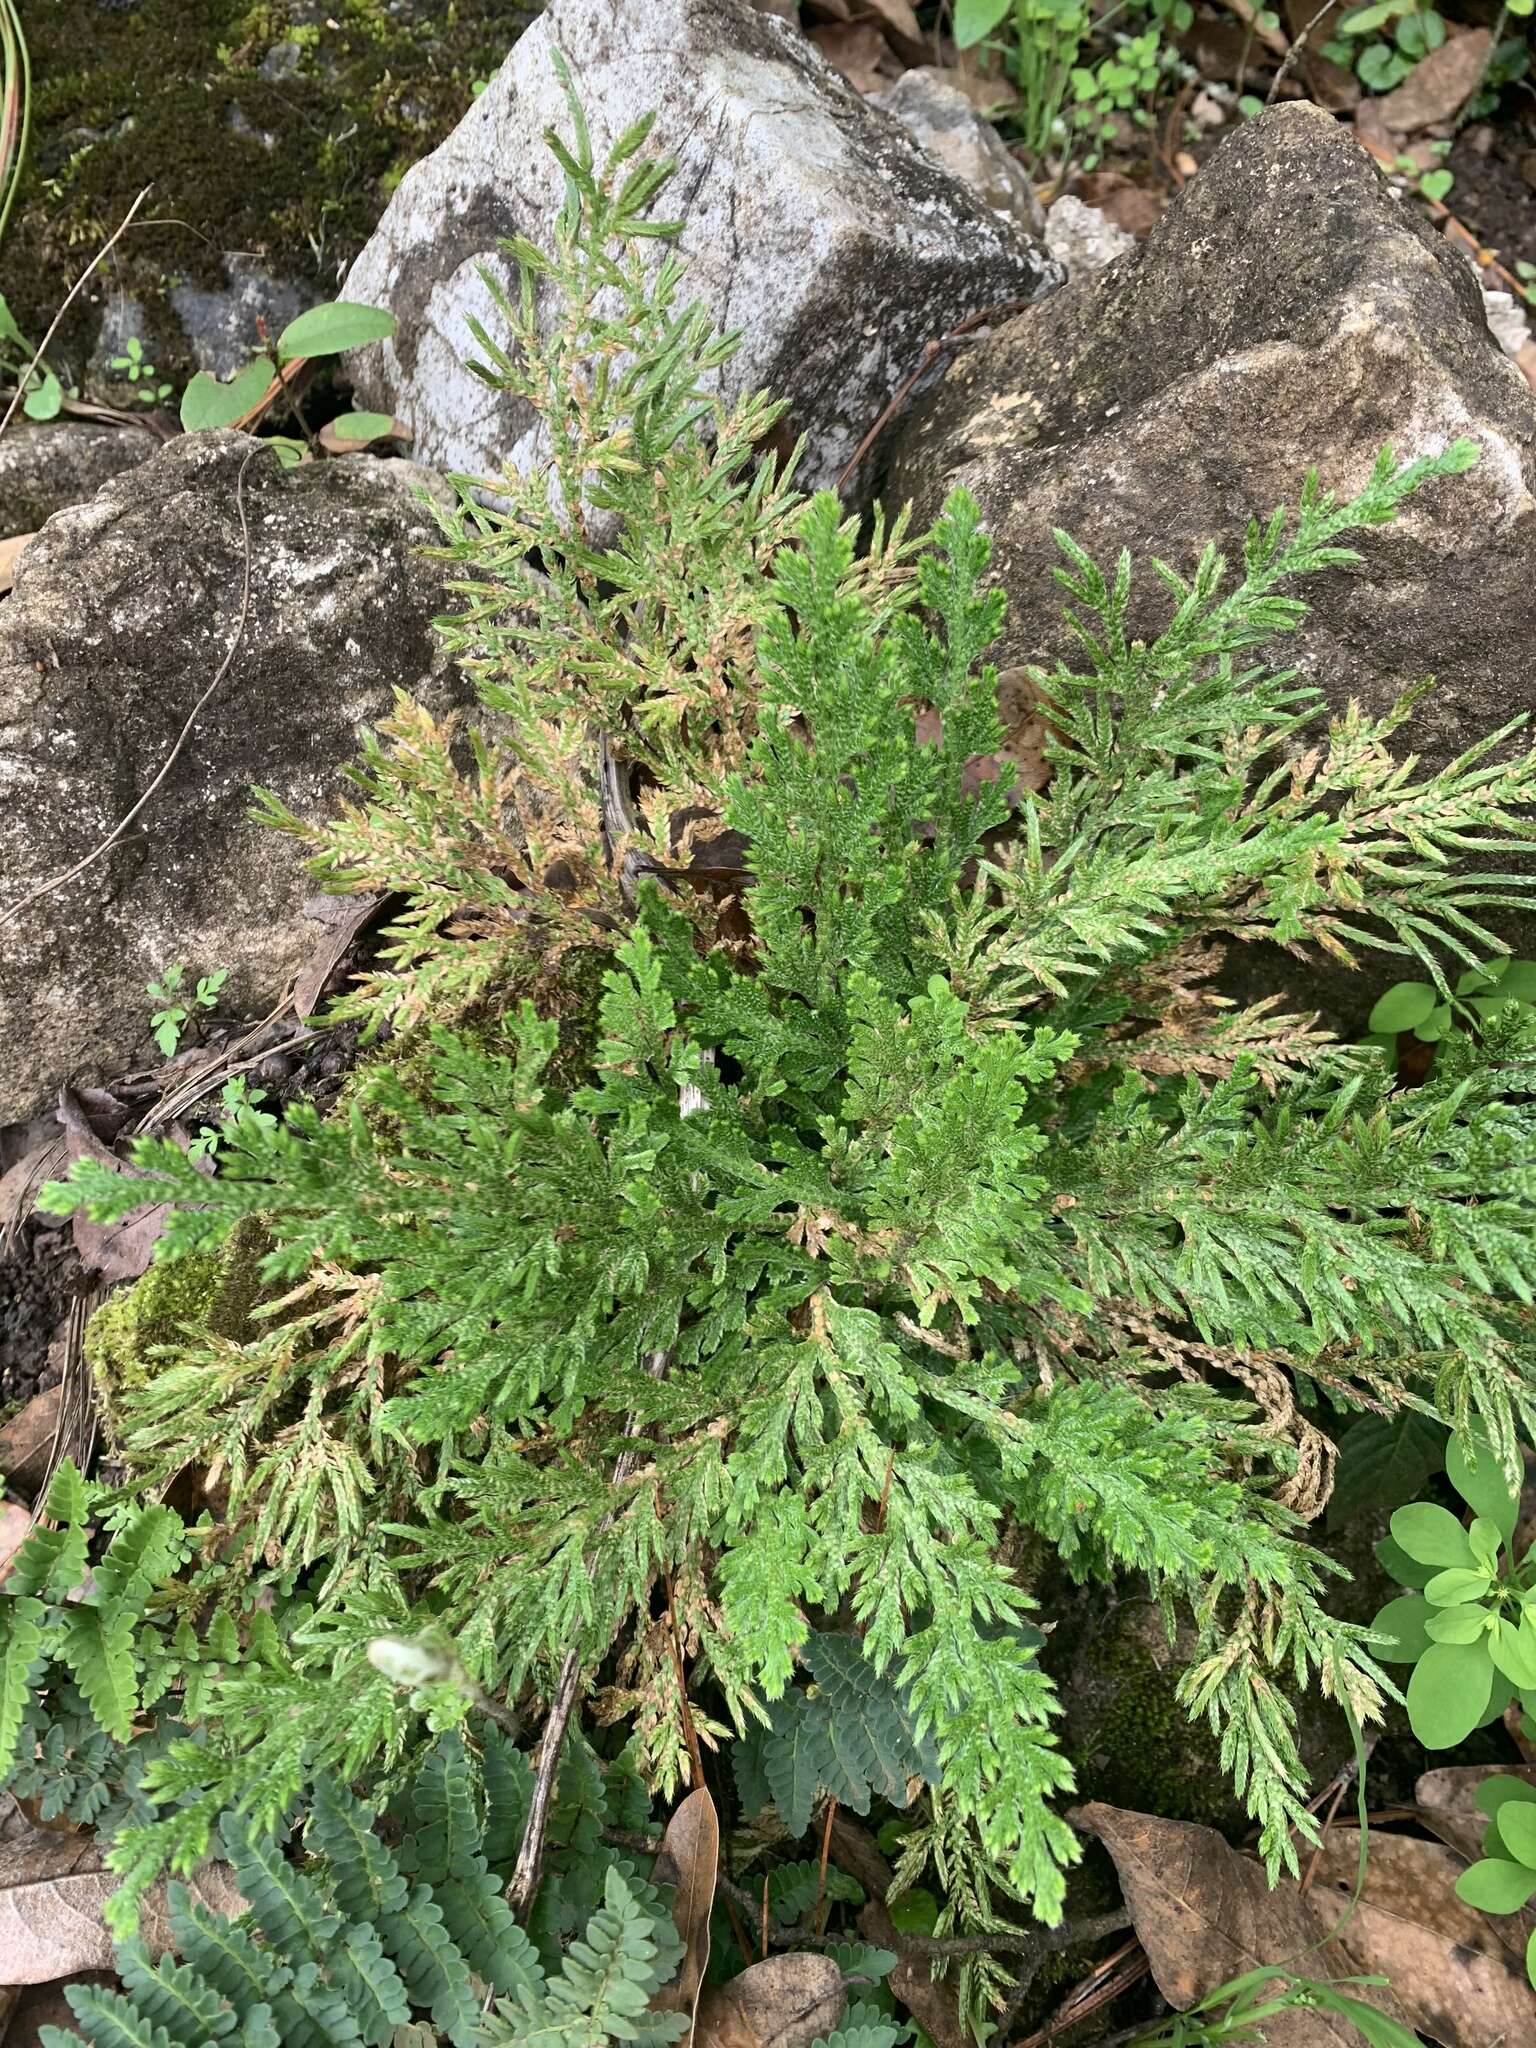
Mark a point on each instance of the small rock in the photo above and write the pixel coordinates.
(1439, 85)
(1287, 311)
(47, 465)
(224, 328)
(812, 223)
(946, 127)
(122, 612)
(1083, 239)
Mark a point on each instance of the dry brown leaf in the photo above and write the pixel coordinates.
(689, 1859)
(1129, 205)
(27, 1438)
(15, 1528)
(1457, 1975)
(1206, 1914)
(1525, 362)
(1448, 1807)
(52, 1891)
(787, 2002)
(902, 28)
(1439, 85)
(343, 917)
(114, 1251)
(351, 444)
(10, 554)
(859, 51)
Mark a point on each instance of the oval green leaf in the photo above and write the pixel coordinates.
(1495, 1887)
(1432, 1535)
(1458, 1585)
(364, 426)
(208, 403)
(1456, 1624)
(1517, 1825)
(1513, 1651)
(1406, 1570)
(1520, 981)
(1402, 1621)
(1495, 1793)
(1448, 1693)
(1480, 1479)
(1404, 1006)
(327, 330)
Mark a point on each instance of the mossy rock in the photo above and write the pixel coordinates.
(273, 132)
(1130, 1741)
(210, 1292)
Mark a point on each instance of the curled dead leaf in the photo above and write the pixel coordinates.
(1447, 1802)
(690, 1860)
(113, 1251)
(53, 1888)
(787, 2002)
(11, 552)
(1439, 85)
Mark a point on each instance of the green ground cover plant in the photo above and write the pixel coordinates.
(813, 1185)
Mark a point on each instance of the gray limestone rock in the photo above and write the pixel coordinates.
(47, 465)
(1288, 311)
(813, 223)
(122, 611)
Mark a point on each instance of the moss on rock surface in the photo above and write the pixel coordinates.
(272, 131)
(212, 1292)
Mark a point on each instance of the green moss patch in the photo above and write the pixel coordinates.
(276, 130)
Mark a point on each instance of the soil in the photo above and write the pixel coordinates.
(38, 1280)
(1495, 189)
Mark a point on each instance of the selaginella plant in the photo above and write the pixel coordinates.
(910, 1211)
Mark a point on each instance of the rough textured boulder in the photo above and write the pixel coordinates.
(45, 467)
(813, 223)
(1287, 311)
(122, 611)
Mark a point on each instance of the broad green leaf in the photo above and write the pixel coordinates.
(974, 19)
(208, 403)
(1435, 1025)
(1513, 1650)
(1495, 1887)
(1448, 1692)
(328, 330)
(363, 426)
(1478, 980)
(1519, 980)
(1485, 1540)
(1494, 1794)
(1405, 1569)
(1403, 1620)
(1432, 1535)
(1450, 1589)
(289, 452)
(1480, 1479)
(1517, 1825)
(45, 400)
(1405, 1005)
(1530, 1946)
(1435, 184)
(1384, 1462)
(1457, 1624)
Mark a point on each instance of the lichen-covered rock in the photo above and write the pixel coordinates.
(122, 612)
(1287, 311)
(47, 465)
(812, 223)
(945, 126)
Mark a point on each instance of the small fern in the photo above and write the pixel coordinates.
(358, 1940)
(852, 1736)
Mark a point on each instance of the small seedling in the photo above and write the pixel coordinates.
(1504, 1881)
(170, 1020)
(1419, 1007)
(326, 330)
(239, 1102)
(136, 367)
(1468, 1626)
